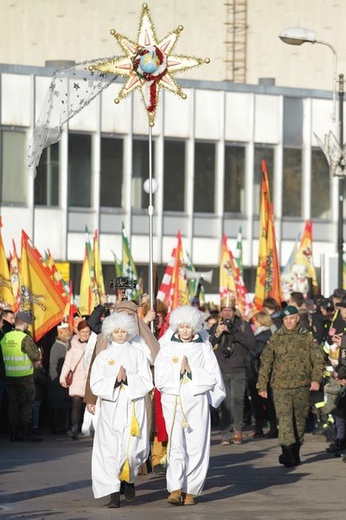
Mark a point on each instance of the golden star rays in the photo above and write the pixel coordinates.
(148, 64)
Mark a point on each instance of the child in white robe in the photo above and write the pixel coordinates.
(188, 376)
(121, 378)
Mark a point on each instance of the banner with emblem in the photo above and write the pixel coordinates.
(39, 294)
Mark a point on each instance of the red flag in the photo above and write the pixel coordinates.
(174, 290)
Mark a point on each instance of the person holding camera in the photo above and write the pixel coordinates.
(232, 339)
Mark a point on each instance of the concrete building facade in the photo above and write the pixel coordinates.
(207, 149)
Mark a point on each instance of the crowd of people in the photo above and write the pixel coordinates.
(149, 386)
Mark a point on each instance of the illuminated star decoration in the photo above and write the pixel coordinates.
(148, 64)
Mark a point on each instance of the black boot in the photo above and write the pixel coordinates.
(286, 457)
(73, 433)
(30, 435)
(129, 491)
(114, 501)
(258, 432)
(295, 453)
(273, 432)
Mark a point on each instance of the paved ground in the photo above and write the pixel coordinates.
(51, 480)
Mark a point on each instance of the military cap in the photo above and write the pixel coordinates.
(288, 311)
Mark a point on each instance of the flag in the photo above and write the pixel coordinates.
(99, 285)
(39, 294)
(232, 281)
(49, 262)
(268, 283)
(86, 294)
(128, 266)
(71, 308)
(287, 278)
(164, 291)
(304, 255)
(14, 273)
(173, 290)
(6, 295)
(179, 294)
(117, 265)
(193, 283)
(227, 289)
(239, 252)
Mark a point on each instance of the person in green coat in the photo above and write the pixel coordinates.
(292, 363)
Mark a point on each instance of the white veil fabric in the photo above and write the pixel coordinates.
(71, 89)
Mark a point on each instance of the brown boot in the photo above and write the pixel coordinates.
(175, 498)
(188, 499)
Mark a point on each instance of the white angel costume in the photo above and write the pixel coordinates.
(185, 404)
(115, 443)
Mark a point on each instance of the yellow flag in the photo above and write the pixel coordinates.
(227, 289)
(268, 280)
(86, 295)
(304, 255)
(6, 294)
(38, 293)
(99, 285)
(179, 288)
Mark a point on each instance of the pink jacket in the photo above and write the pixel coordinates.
(73, 355)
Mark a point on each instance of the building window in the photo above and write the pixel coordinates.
(292, 183)
(204, 178)
(46, 184)
(293, 123)
(174, 175)
(140, 171)
(111, 172)
(13, 174)
(234, 179)
(79, 170)
(320, 185)
(266, 154)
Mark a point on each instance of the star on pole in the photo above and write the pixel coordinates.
(148, 64)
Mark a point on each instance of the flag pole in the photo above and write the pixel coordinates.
(150, 213)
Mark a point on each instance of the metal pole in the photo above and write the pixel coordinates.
(341, 185)
(150, 213)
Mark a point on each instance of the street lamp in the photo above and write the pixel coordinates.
(298, 36)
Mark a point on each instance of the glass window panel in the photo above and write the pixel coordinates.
(111, 172)
(204, 178)
(47, 179)
(292, 183)
(234, 179)
(293, 122)
(320, 185)
(13, 168)
(174, 176)
(140, 171)
(79, 170)
(267, 154)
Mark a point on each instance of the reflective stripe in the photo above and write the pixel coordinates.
(15, 358)
(321, 404)
(18, 369)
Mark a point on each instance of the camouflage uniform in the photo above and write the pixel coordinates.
(289, 363)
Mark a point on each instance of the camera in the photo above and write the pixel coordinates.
(228, 351)
(229, 324)
(122, 282)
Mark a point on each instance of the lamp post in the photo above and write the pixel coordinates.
(298, 36)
